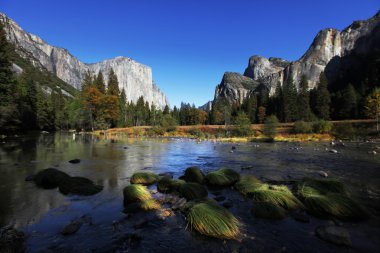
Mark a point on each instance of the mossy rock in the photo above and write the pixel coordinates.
(326, 204)
(169, 185)
(78, 186)
(247, 184)
(213, 220)
(135, 193)
(193, 191)
(194, 175)
(144, 178)
(149, 204)
(222, 177)
(324, 186)
(268, 210)
(276, 194)
(50, 178)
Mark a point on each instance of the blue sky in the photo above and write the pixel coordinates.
(188, 44)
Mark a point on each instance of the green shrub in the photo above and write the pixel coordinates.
(212, 220)
(302, 127)
(135, 193)
(193, 191)
(145, 178)
(222, 177)
(322, 127)
(158, 130)
(343, 131)
(195, 175)
(270, 126)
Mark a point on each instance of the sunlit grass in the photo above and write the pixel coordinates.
(150, 204)
(212, 220)
(247, 184)
(222, 177)
(268, 210)
(135, 193)
(145, 178)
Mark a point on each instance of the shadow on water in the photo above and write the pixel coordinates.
(43, 213)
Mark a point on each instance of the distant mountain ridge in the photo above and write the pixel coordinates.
(134, 77)
(328, 46)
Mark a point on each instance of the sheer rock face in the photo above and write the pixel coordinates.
(134, 77)
(327, 45)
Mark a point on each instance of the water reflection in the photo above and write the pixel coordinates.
(111, 163)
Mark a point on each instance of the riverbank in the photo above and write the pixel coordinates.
(348, 129)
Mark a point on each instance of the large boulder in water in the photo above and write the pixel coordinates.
(79, 186)
(194, 175)
(50, 178)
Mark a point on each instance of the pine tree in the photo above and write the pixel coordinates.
(322, 98)
(113, 84)
(99, 83)
(122, 121)
(279, 102)
(87, 80)
(303, 102)
(290, 100)
(166, 110)
(348, 104)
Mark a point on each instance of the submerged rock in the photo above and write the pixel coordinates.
(12, 240)
(301, 217)
(323, 173)
(334, 151)
(75, 161)
(71, 228)
(334, 234)
(50, 178)
(79, 186)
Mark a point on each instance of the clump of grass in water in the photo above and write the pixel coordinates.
(194, 175)
(193, 191)
(276, 194)
(326, 198)
(247, 184)
(168, 185)
(150, 204)
(268, 210)
(145, 178)
(135, 193)
(222, 177)
(212, 220)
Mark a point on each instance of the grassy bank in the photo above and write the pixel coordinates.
(349, 129)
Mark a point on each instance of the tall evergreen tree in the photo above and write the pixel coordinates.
(122, 121)
(99, 83)
(348, 104)
(113, 84)
(303, 102)
(322, 98)
(87, 80)
(290, 100)
(279, 102)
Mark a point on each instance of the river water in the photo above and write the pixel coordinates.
(41, 214)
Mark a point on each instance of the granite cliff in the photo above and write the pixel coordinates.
(134, 77)
(328, 47)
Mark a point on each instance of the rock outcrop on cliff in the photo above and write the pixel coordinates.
(134, 77)
(327, 48)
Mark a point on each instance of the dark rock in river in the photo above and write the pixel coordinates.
(334, 234)
(75, 161)
(53, 178)
(301, 217)
(50, 178)
(79, 186)
(71, 228)
(12, 240)
(30, 178)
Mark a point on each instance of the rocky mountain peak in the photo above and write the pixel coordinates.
(134, 77)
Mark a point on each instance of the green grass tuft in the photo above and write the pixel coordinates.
(135, 193)
(222, 177)
(247, 184)
(193, 191)
(145, 178)
(168, 185)
(150, 204)
(194, 175)
(212, 220)
(321, 202)
(268, 210)
(278, 195)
